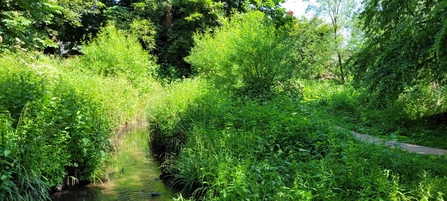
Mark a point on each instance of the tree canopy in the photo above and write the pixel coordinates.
(164, 28)
(340, 14)
(23, 23)
(405, 47)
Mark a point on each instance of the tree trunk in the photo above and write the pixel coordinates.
(341, 67)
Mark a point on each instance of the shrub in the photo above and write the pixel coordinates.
(113, 54)
(167, 115)
(248, 53)
(50, 128)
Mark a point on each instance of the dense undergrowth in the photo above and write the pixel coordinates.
(243, 129)
(417, 117)
(222, 147)
(58, 116)
(221, 140)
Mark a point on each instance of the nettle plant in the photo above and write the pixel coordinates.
(247, 53)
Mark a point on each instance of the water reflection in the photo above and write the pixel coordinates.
(136, 180)
(95, 192)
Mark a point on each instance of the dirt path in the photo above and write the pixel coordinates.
(393, 143)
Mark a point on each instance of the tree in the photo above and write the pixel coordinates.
(80, 18)
(404, 48)
(136, 18)
(241, 6)
(23, 23)
(339, 12)
(247, 54)
(179, 20)
(38, 24)
(311, 39)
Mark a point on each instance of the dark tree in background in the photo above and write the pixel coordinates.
(164, 28)
(179, 20)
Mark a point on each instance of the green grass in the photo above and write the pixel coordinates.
(280, 148)
(345, 107)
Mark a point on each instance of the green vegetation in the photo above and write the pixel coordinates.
(242, 102)
(247, 54)
(112, 54)
(243, 148)
(54, 129)
(404, 49)
(57, 119)
(406, 120)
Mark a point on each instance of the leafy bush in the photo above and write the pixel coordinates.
(113, 54)
(248, 53)
(49, 128)
(167, 115)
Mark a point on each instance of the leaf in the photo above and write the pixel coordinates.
(6, 152)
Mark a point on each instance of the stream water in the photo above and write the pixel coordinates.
(136, 177)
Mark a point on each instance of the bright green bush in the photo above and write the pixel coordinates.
(51, 128)
(248, 53)
(313, 51)
(114, 54)
(167, 115)
(29, 168)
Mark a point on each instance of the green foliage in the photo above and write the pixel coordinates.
(113, 54)
(177, 22)
(247, 54)
(406, 120)
(167, 115)
(402, 49)
(19, 86)
(136, 19)
(78, 19)
(55, 123)
(230, 148)
(36, 25)
(441, 45)
(312, 48)
(22, 23)
(340, 13)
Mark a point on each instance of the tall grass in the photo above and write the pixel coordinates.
(57, 118)
(234, 148)
(416, 117)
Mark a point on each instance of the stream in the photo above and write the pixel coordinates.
(136, 175)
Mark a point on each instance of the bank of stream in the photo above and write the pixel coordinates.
(134, 175)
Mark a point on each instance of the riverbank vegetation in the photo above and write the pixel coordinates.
(242, 102)
(58, 115)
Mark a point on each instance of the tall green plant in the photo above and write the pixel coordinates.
(115, 54)
(246, 53)
(50, 126)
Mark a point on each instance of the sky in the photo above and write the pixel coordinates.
(297, 6)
